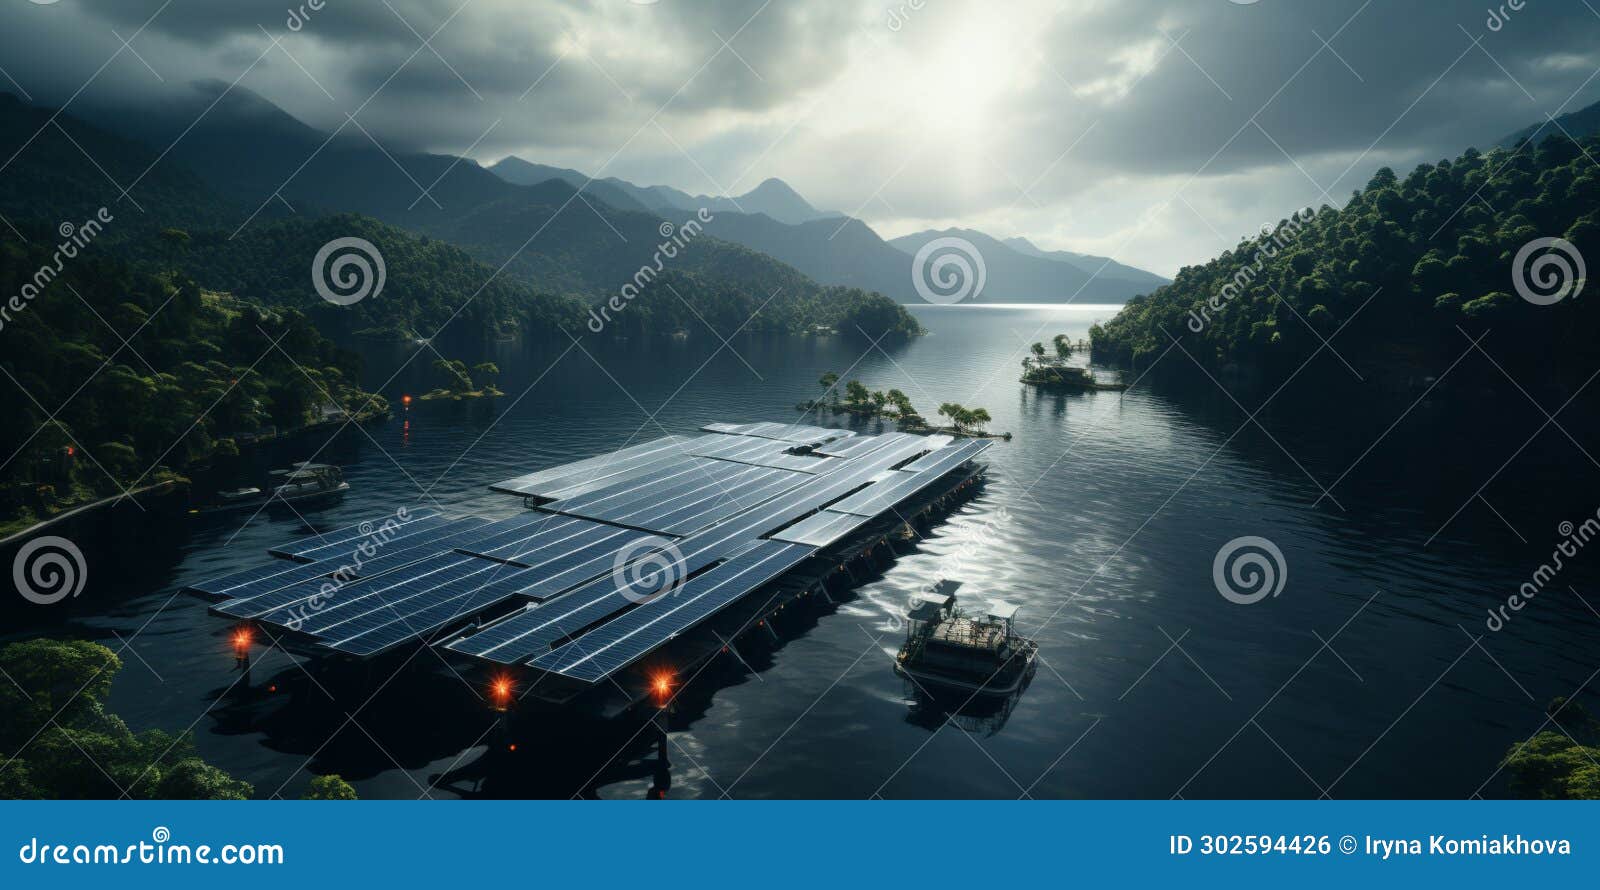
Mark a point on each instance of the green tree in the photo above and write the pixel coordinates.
(856, 395)
(68, 746)
(454, 374)
(329, 787)
(487, 373)
(1558, 764)
(1063, 347)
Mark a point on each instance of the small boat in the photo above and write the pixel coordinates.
(305, 482)
(948, 649)
(309, 481)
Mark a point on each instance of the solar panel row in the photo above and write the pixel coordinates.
(711, 498)
(378, 531)
(531, 633)
(615, 465)
(271, 576)
(263, 597)
(822, 529)
(299, 546)
(619, 643)
(786, 432)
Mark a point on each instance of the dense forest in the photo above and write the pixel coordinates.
(53, 710)
(118, 377)
(1410, 265)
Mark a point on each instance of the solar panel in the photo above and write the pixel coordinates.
(274, 575)
(822, 529)
(685, 475)
(764, 453)
(531, 633)
(787, 432)
(299, 546)
(376, 532)
(530, 482)
(946, 459)
(863, 444)
(260, 600)
(617, 644)
(687, 520)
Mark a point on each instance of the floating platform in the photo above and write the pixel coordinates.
(616, 556)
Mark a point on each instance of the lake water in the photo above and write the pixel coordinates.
(1371, 674)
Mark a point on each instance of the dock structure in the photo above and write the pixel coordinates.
(616, 555)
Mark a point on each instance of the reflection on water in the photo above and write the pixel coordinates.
(1101, 520)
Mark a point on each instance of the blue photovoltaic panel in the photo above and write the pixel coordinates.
(881, 495)
(799, 434)
(691, 474)
(531, 633)
(862, 445)
(946, 459)
(764, 453)
(699, 516)
(402, 532)
(710, 498)
(619, 643)
(596, 467)
(822, 529)
(317, 614)
(265, 596)
(271, 576)
(555, 533)
(298, 547)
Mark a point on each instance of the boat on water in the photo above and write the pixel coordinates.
(1061, 376)
(303, 483)
(947, 649)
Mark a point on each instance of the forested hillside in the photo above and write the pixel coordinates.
(1409, 264)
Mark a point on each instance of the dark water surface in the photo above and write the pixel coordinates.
(1101, 519)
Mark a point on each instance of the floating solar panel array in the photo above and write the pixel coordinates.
(720, 514)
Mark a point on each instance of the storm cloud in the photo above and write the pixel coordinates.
(1156, 131)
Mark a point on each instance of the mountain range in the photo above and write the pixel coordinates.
(557, 227)
(1575, 124)
(840, 250)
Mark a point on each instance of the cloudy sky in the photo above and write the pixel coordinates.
(1154, 131)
